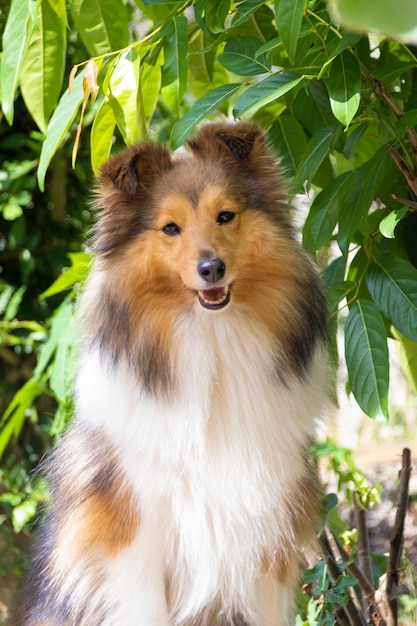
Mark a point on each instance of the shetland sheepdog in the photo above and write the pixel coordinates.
(184, 492)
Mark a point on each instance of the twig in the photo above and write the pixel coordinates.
(396, 543)
(409, 203)
(348, 614)
(410, 176)
(364, 552)
(365, 584)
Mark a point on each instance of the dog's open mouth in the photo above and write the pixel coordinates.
(215, 298)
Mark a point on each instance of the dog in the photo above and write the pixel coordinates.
(184, 491)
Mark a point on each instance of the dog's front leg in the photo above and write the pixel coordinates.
(135, 581)
(275, 602)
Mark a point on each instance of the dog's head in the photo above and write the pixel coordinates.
(198, 220)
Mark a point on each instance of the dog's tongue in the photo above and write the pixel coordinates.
(213, 294)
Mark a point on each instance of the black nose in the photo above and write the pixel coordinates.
(211, 270)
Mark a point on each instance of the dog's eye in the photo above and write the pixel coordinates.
(225, 216)
(171, 229)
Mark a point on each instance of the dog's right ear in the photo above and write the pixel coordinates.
(136, 168)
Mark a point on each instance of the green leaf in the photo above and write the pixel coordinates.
(175, 67)
(392, 283)
(314, 154)
(288, 137)
(59, 125)
(201, 109)
(388, 225)
(14, 416)
(387, 74)
(323, 215)
(101, 136)
(64, 363)
(14, 304)
(73, 275)
(59, 323)
(345, 87)
(289, 15)
(216, 12)
(210, 15)
(40, 79)
(348, 40)
(124, 95)
(408, 120)
(103, 25)
(23, 513)
(352, 140)
(265, 91)
(150, 81)
(407, 352)
(396, 18)
(366, 353)
(6, 292)
(239, 57)
(246, 9)
(357, 197)
(14, 45)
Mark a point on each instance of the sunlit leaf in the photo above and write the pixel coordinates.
(23, 513)
(14, 416)
(40, 80)
(392, 283)
(64, 363)
(59, 125)
(123, 94)
(103, 25)
(175, 67)
(366, 353)
(345, 87)
(73, 275)
(150, 82)
(101, 135)
(388, 225)
(14, 44)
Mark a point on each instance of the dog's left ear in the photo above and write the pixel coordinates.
(243, 141)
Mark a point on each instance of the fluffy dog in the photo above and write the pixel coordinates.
(183, 493)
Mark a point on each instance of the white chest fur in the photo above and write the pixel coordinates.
(211, 466)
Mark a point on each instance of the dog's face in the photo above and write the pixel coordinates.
(195, 225)
(199, 240)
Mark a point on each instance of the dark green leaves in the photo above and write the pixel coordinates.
(392, 283)
(240, 57)
(289, 15)
(266, 91)
(366, 353)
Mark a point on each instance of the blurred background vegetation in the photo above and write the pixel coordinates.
(339, 101)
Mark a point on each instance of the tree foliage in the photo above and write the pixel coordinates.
(340, 107)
